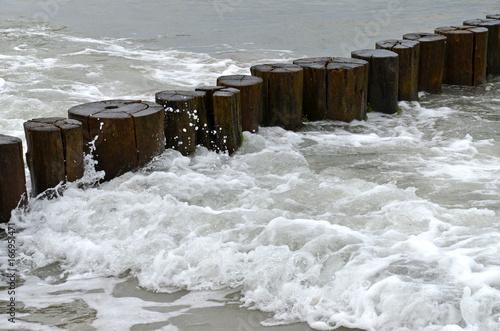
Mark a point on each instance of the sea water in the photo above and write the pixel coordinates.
(386, 224)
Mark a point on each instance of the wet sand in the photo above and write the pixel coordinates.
(229, 316)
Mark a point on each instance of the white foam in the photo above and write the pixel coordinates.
(372, 257)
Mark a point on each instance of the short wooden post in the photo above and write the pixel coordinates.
(55, 152)
(493, 16)
(466, 53)
(493, 26)
(431, 63)
(315, 87)
(185, 120)
(12, 178)
(227, 120)
(409, 53)
(122, 135)
(250, 88)
(283, 92)
(383, 78)
(347, 94)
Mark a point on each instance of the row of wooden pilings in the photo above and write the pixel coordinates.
(124, 135)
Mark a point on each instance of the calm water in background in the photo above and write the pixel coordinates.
(385, 224)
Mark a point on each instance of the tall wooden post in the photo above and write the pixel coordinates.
(466, 53)
(315, 87)
(347, 93)
(12, 178)
(209, 91)
(227, 120)
(251, 98)
(493, 26)
(283, 92)
(55, 152)
(383, 78)
(409, 53)
(431, 63)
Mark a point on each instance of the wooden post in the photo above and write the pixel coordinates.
(55, 152)
(185, 120)
(334, 88)
(431, 63)
(347, 94)
(122, 135)
(209, 91)
(12, 178)
(493, 16)
(227, 120)
(315, 87)
(466, 52)
(251, 98)
(493, 26)
(283, 92)
(409, 53)
(383, 78)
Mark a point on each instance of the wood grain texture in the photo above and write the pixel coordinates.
(185, 119)
(250, 88)
(466, 53)
(431, 60)
(12, 179)
(54, 152)
(383, 80)
(227, 120)
(121, 135)
(347, 95)
(409, 54)
(283, 86)
(315, 87)
(493, 56)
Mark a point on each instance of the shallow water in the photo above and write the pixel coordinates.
(386, 224)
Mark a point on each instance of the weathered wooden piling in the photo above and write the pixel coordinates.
(122, 135)
(315, 87)
(209, 91)
(409, 54)
(493, 16)
(383, 78)
(250, 88)
(12, 178)
(466, 53)
(334, 88)
(55, 152)
(224, 117)
(282, 94)
(493, 26)
(185, 120)
(347, 93)
(431, 62)
(227, 120)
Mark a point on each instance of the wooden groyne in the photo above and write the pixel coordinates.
(124, 135)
